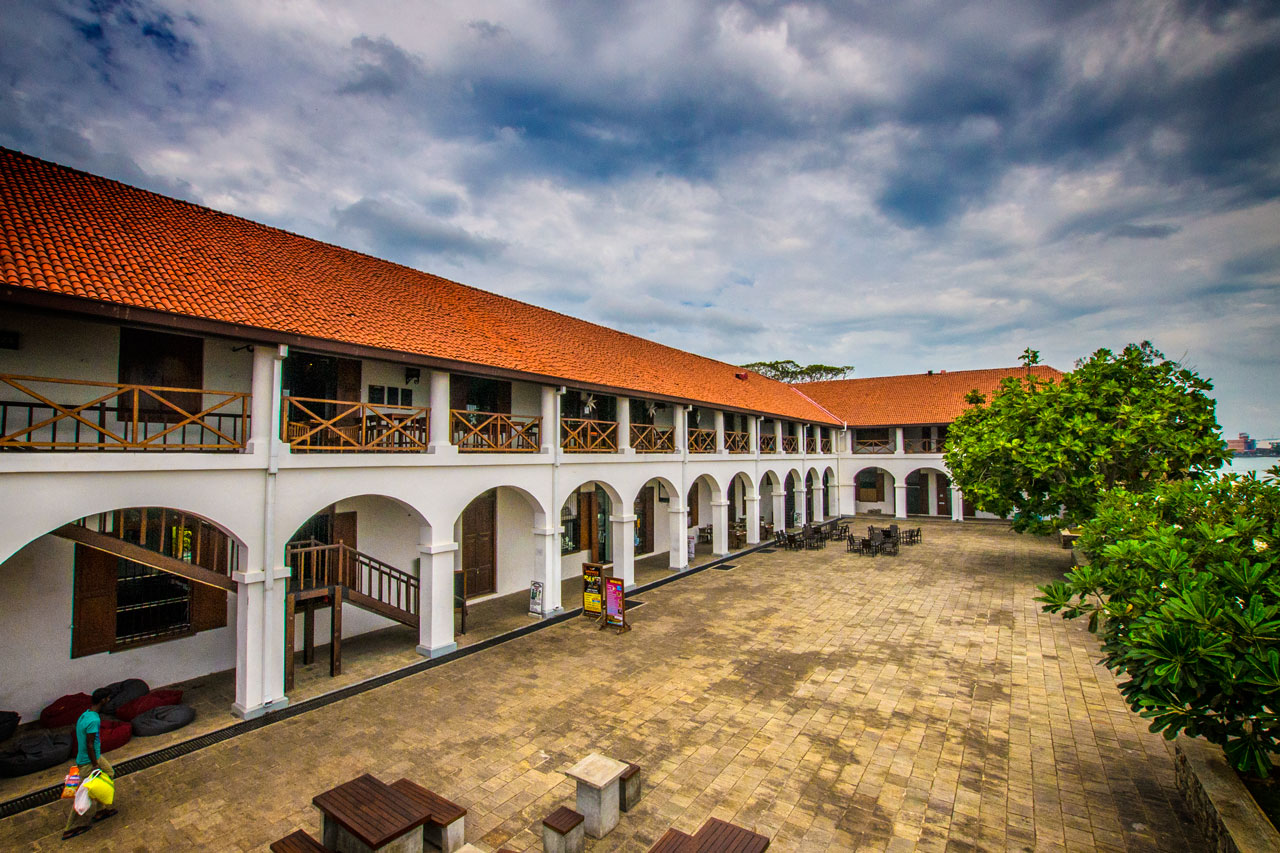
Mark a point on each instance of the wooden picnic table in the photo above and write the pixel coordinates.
(370, 812)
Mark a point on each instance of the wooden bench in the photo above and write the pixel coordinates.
(563, 831)
(718, 836)
(445, 826)
(671, 841)
(298, 842)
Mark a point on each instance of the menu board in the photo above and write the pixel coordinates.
(590, 590)
(614, 603)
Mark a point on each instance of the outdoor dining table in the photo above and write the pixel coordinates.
(367, 814)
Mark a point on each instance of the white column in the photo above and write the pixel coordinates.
(753, 435)
(274, 591)
(249, 644)
(678, 525)
(899, 499)
(780, 520)
(624, 425)
(957, 504)
(752, 502)
(816, 493)
(264, 405)
(435, 597)
(719, 422)
(439, 440)
(833, 496)
(547, 568)
(719, 527)
(901, 447)
(549, 432)
(931, 492)
(624, 549)
(802, 511)
(777, 438)
(679, 423)
(797, 430)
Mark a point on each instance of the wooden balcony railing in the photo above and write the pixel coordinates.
(702, 441)
(768, 442)
(873, 445)
(581, 435)
(492, 432)
(737, 442)
(646, 438)
(825, 445)
(922, 445)
(790, 444)
(810, 444)
(341, 426)
(119, 416)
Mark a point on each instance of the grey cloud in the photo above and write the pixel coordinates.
(1143, 232)
(397, 230)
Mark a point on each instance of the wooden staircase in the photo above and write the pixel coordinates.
(326, 576)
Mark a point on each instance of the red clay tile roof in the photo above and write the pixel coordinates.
(916, 398)
(72, 233)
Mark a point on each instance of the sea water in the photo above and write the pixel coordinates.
(1244, 464)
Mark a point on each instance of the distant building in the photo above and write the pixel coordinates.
(1242, 444)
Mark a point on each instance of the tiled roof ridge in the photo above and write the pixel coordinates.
(422, 277)
(815, 402)
(1038, 368)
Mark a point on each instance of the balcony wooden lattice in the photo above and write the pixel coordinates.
(873, 445)
(768, 442)
(702, 441)
(582, 435)
(811, 444)
(737, 442)
(119, 416)
(493, 432)
(790, 444)
(646, 438)
(352, 426)
(922, 445)
(825, 445)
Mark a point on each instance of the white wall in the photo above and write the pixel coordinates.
(526, 398)
(515, 541)
(373, 372)
(37, 666)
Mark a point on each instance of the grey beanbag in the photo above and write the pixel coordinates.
(37, 752)
(123, 692)
(8, 724)
(166, 718)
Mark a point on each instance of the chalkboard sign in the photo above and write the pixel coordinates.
(591, 599)
(535, 598)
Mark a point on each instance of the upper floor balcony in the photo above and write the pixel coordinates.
(702, 441)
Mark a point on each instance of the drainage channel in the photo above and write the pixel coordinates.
(48, 795)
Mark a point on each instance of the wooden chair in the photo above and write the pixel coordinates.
(298, 842)
(671, 841)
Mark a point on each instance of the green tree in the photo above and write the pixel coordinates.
(1183, 582)
(790, 371)
(1043, 450)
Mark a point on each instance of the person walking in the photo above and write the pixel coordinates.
(89, 758)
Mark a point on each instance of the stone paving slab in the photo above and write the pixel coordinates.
(827, 700)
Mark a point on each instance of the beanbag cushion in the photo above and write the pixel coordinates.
(114, 734)
(154, 699)
(37, 752)
(65, 711)
(123, 692)
(8, 724)
(166, 718)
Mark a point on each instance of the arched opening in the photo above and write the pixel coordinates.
(742, 497)
(656, 537)
(928, 492)
(355, 579)
(588, 534)
(791, 506)
(707, 520)
(874, 491)
(140, 592)
(830, 495)
(815, 502)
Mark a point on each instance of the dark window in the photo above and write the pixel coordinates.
(161, 360)
(377, 394)
(569, 526)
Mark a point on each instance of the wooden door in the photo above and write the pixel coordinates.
(480, 544)
(93, 615)
(644, 520)
(344, 529)
(589, 524)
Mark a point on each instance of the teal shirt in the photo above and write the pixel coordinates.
(87, 726)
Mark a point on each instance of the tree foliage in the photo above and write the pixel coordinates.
(1183, 582)
(1044, 450)
(790, 371)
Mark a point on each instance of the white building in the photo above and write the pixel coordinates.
(207, 423)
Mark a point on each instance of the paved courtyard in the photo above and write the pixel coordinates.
(827, 700)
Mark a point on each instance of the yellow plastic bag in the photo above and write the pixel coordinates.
(100, 787)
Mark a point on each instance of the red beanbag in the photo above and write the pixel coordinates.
(65, 711)
(154, 699)
(114, 734)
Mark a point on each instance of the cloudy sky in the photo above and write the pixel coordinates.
(898, 186)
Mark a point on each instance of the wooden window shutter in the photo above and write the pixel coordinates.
(458, 387)
(586, 521)
(693, 505)
(209, 603)
(349, 383)
(93, 608)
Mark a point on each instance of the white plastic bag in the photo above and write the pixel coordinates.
(81, 802)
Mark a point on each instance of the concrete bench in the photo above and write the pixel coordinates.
(446, 827)
(629, 788)
(298, 842)
(563, 831)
